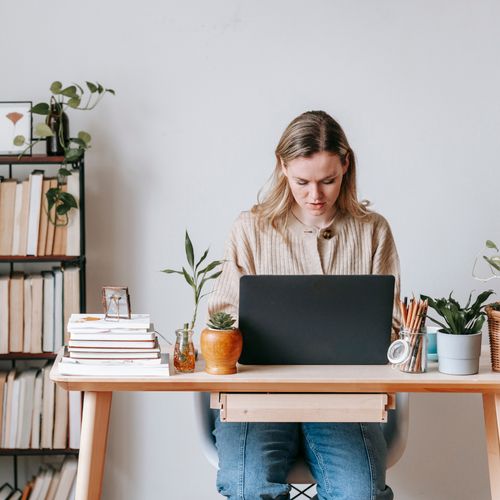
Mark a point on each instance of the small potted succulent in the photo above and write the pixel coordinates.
(459, 340)
(221, 344)
(492, 310)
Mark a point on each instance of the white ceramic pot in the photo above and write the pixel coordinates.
(458, 354)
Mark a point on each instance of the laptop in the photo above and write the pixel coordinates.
(316, 319)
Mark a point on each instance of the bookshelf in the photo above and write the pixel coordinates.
(8, 166)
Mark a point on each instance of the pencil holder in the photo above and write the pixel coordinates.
(409, 353)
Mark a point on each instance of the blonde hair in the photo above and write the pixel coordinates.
(310, 133)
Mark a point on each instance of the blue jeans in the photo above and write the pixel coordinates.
(348, 460)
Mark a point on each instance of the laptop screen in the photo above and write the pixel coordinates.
(316, 319)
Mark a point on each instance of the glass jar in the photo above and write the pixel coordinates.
(184, 353)
(409, 353)
(54, 146)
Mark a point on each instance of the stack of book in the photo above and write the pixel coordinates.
(100, 346)
(48, 484)
(37, 414)
(24, 226)
(35, 307)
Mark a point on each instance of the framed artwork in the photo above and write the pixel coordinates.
(116, 302)
(15, 119)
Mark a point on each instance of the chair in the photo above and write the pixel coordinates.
(395, 433)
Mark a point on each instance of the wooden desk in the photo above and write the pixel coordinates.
(283, 379)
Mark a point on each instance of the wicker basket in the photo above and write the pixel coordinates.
(494, 333)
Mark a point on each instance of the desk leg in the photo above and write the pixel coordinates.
(94, 436)
(491, 405)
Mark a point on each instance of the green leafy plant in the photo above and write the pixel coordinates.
(494, 263)
(459, 321)
(198, 277)
(64, 98)
(221, 321)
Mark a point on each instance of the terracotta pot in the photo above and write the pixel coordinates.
(221, 350)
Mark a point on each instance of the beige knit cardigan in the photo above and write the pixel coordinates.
(356, 247)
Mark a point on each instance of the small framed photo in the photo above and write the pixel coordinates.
(15, 119)
(116, 303)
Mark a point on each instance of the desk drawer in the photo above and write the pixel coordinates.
(281, 407)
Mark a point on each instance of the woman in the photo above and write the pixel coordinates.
(309, 222)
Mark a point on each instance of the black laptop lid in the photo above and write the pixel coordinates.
(315, 320)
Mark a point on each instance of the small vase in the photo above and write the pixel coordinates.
(184, 353)
(458, 354)
(221, 350)
(54, 147)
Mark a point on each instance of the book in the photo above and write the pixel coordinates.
(47, 479)
(16, 311)
(8, 408)
(48, 311)
(36, 420)
(114, 344)
(67, 478)
(4, 314)
(50, 226)
(60, 440)
(25, 208)
(53, 485)
(119, 334)
(44, 220)
(17, 219)
(133, 368)
(15, 495)
(58, 309)
(26, 403)
(27, 490)
(5, 491)
(7, 209)
(83, 353)
(36, 184)
(14, 413)
(75, 418)
(39, 483)
(71, 296)
(36, 313)
(119, 361)
(73, 227)
(48, 398)
(97, 322)
(3, 391)
(60, 233)
(27, 315)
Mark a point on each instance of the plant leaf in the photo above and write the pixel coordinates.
(80, 142)
(188, 278)
(41, 109)
(110, 91)
(68, 199)
(91, 87)
(211, 266)
(56, 87)
(100, 88)
(84, 137)
(19, 140)
(74, 103)
(490, 244)
(64, 172)
(63, 209)
(70, 92)
(43, 130)
(492, 263)
(203, 257)
(171, 271)
(73, 154)
(80, 88)
(189, 251)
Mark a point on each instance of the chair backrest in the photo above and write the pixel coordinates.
(395, 433)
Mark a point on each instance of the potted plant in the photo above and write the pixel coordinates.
(492, 310)
(221, 344)
(459, 340)
(55, 130)
(184, 354)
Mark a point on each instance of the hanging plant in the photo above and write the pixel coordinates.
(74, 148)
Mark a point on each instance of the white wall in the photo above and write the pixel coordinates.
(203, 93)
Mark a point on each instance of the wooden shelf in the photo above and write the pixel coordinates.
(28, 355)
(27, 160)
(39, 258)
(18, 452)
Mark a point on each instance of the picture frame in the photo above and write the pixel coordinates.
(116, 303)
(15, 119)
